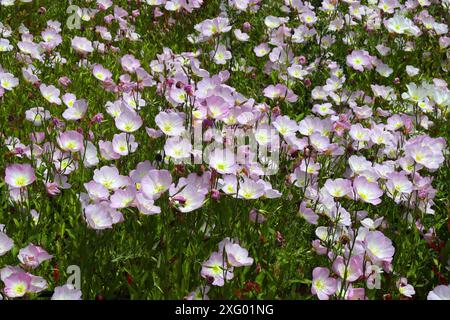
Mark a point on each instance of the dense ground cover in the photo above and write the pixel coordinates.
(241, 149)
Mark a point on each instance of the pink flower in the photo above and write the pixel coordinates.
(404, 288)
(339, 187)
(367, 191)
(32, 256)
(50, 93)
(66, 292)
(6, 243)
(17, 284)
(101, 215)
(130, 63)
(285, 126)
(146, 206)
(123, 198)
(221, 55)
(8, 81)
(250, 190)
(216, 270)
(19, 175)
(101, 73)
(441, 292)
(360, 60)
(398, 184)
(223, 161)
(82, 45)
(280, 91)
(262, 50)
(70, 141)
(96, 191)
(77, 111)
(198, 294)
(124, 143)
(189, 199)
(378, 247)
(128, 121)
(308, 214)
(156, 183)
(354, 268)
(110, 178)
(237, 256)
(322, 285)
(426, 151)
(172, 124)
(178, 148)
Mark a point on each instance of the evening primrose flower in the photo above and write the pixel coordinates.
(82, 45)
(401, 25)
(155, 183)
(211, 27)
(123, 198)
(6, 243)
(360, 60)
(241, 36)
(177, 95)
(124, 143)
(77, 111)
(237, 256)
(285, 126)
(101, 73)
(218, 108)
(441, 292)
(262, 50)
(250, 190)
(223, 161)
(146, 206)
(228, 184)
(296, 71)
(66, 292)
(17, 284)
(37, 115)
(5, 45)
(371, 224)
(308, 125)
(101, 216)
(404, 288)
(96, 191)
(172, 124)
(339, 187)
(378, 247)
(359, 164)
(308, 214)
(426, 155)
(19, 175)
(189, 199)
(178, 148)
(359, 133)
(280, 91)
(32, 256)
(70, 141)
(129, 63)
(128, 121)
(50, 93)
(322, 285)
(198, 294)
(367, 191)
(221, 55)
(398, 184)
(110, 178)
(8, 81)
(216, 269)
(349, 270)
